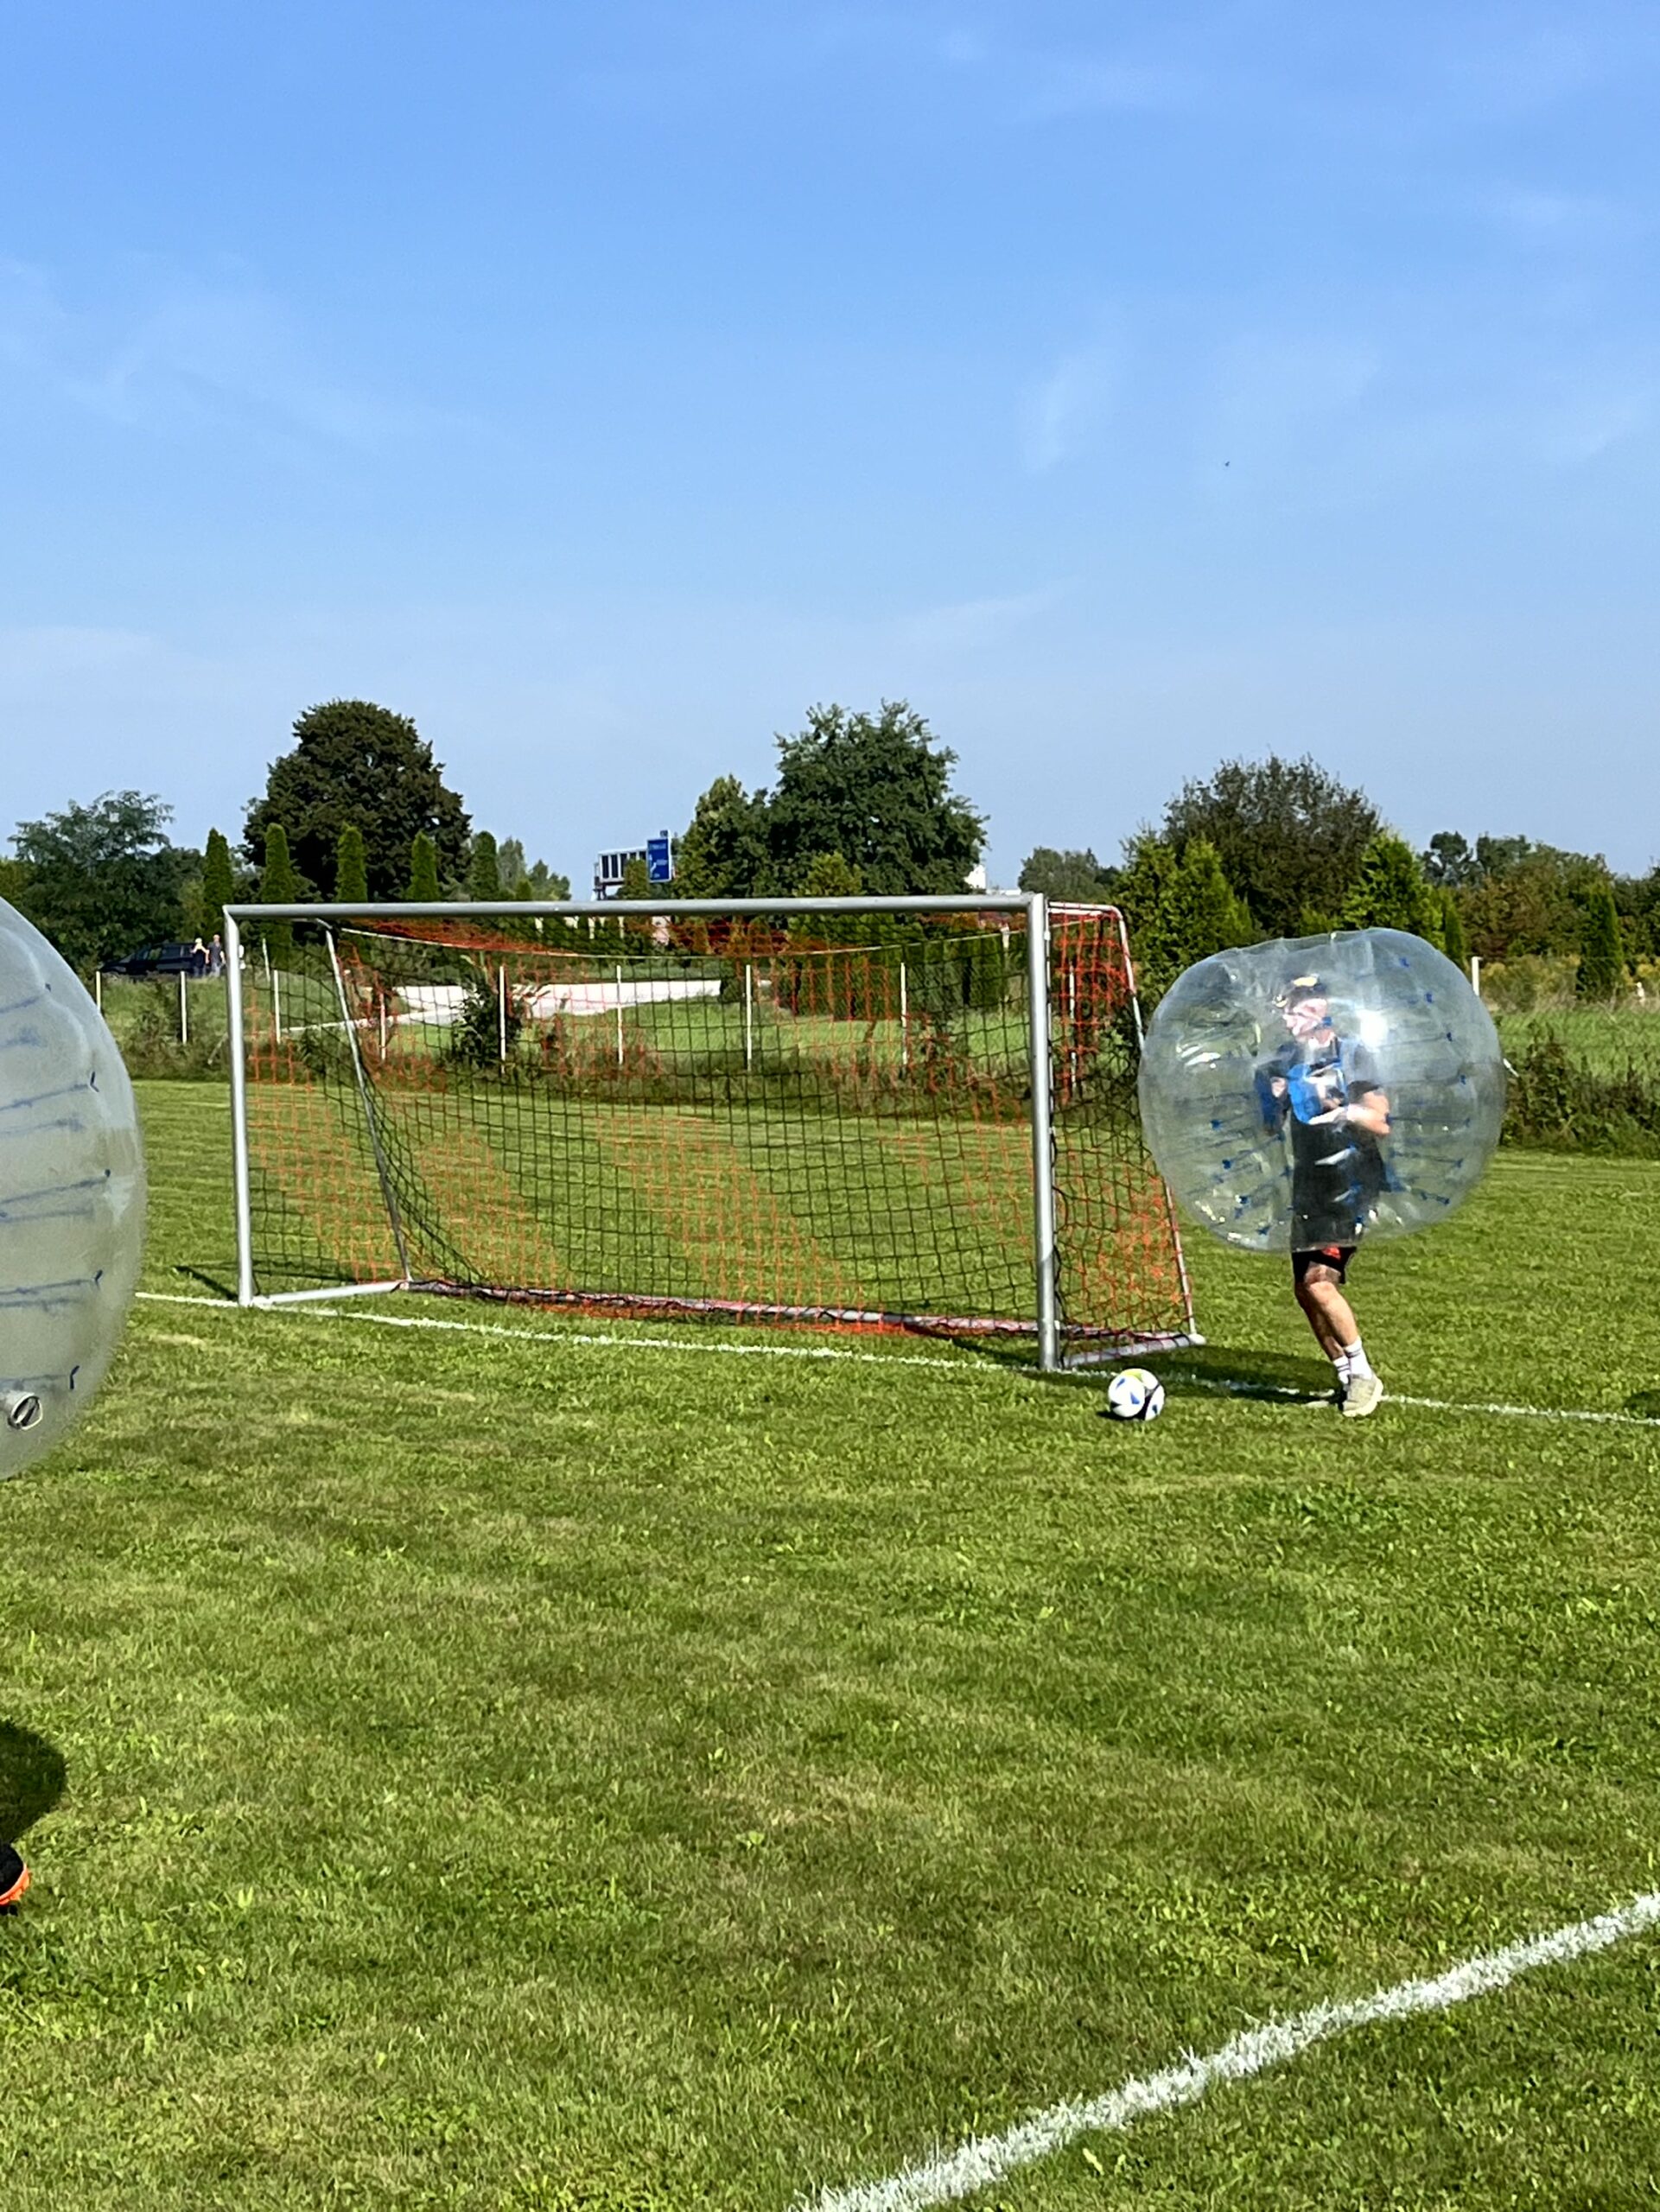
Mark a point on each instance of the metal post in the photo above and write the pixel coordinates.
(1043, 1160)
(245, 1292)
(184, 1012)
(1475, 973)
(905, 1020)
(619, 1017)
(275, 975)
(388, 1195)
(501, 1009)
(98, 989)
(748, 1016)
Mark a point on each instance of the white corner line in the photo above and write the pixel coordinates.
(984, 2159)
(964, 1364)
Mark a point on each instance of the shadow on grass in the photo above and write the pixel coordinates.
(1645, 1404)
(1218, 1369)
(32, 1778)
(219, 1285)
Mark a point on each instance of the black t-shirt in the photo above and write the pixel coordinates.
(1336, 1169)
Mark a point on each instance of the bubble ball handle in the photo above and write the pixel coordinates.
(72, 1195)
(1316, 1090)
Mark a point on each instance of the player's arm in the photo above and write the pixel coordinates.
(1370, 1111)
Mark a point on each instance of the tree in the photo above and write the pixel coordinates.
(1145, 883)
(1202, 913)
(723, 853)
(877, 790)
(484, 877)
(1449, 863)
(1601, 960)
(353, 761)
(279, 885)
(1178, 908)
(1075, 877)
(103, 879)
(1289, 836)
(423, 869)
(511, 865)
(13, 884)
(218, 881)
(520, 880)
(1390, 892)
(351, 867)
(1453, 938)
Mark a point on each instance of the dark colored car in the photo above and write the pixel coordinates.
(158, 960)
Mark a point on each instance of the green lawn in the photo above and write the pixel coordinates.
(1607, 1040)
(515, 1770)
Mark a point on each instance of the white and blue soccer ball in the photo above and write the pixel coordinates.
(1134, 1393)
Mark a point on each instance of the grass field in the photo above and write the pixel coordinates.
(520, 1766)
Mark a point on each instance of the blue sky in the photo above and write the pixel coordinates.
(1127, 387)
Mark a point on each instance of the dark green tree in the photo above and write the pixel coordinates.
(352, 761)
(218, 881)
(877, 788)
(1289, 836)
(1390, 892)
(279, 885)
(1449, 863)
(484, 879)
(351, 867)
(423, 869)
(13, 884)
(1453, 943)
(722, 854)
(1202, 913)
(1075, 877)
(103, 879)
(1145, 885)
(1602, 962)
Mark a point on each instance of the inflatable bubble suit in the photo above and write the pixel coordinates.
(1318, 1091)
(72, 1195)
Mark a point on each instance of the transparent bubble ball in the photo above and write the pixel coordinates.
(72, 1195)
(1321, 1090)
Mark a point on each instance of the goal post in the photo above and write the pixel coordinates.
(879, 1113)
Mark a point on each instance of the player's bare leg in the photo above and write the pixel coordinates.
(1320, 1294)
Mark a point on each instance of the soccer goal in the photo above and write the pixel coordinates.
(879, 1113)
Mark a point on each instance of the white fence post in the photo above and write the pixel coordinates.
(1475, 973)
(501, 1008)
(619, 1017)
(184, 1012)
(748, 1016)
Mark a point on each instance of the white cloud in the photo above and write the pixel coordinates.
(191, 351)
(1062, 410)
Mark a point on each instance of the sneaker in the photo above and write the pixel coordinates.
(1362, 1394)
(14, 1876)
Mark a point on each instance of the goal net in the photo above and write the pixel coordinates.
(901, 1115)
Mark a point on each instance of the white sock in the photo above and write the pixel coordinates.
(1353, 1360)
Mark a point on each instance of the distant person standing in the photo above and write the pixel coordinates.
(216, 956)
(198, 958)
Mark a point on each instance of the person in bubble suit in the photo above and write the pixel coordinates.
(1323, 1092)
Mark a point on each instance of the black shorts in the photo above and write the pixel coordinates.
(1335, 1257)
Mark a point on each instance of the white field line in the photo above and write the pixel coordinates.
(987, 2158)
(965, 1365)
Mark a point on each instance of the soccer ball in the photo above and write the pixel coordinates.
(1135, 1395)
